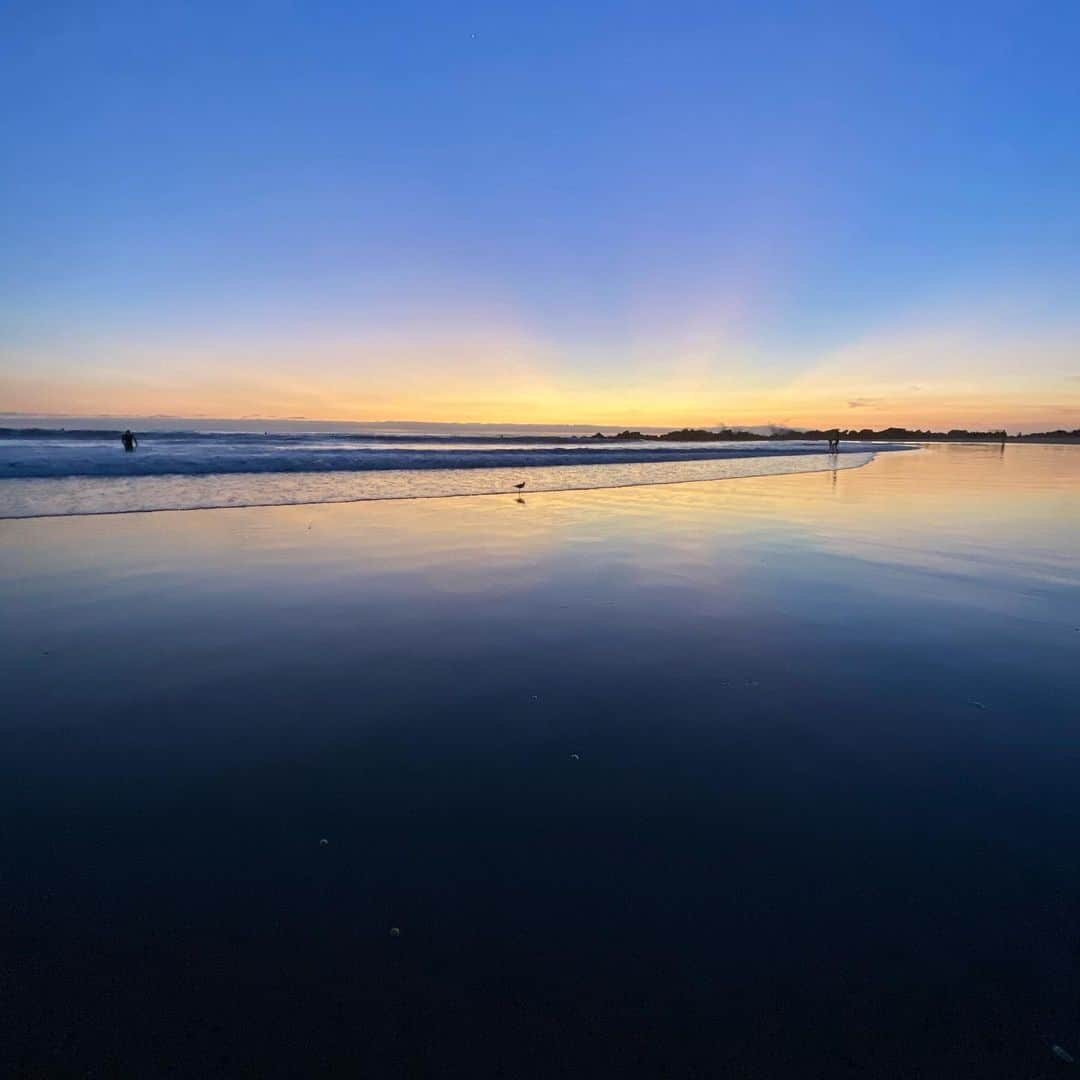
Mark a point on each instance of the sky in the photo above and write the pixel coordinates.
(852, 214)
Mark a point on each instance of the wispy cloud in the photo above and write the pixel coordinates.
(863, 402)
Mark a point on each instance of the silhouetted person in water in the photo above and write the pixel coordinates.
(129, 440)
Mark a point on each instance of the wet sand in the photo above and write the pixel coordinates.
(820, 821)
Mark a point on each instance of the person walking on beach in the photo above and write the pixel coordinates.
(129, 440)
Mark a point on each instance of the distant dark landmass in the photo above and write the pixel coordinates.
(688, 435)
(316, 429)
(892, 434)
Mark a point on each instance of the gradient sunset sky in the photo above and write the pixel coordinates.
(606, 213)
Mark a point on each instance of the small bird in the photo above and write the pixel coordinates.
(520, 486)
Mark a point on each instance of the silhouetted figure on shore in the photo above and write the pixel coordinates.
(834, 442)
(129, 440)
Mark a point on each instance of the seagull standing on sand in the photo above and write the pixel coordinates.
(520, 486)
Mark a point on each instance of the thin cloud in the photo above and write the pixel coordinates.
(863, 402)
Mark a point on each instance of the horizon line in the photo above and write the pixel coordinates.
(748, 427)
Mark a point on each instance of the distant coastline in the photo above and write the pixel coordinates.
(863, 435)
(892, 434)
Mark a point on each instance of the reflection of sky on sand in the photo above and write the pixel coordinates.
(961, 510)
(961, 521)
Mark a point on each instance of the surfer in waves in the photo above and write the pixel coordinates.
(129, 440)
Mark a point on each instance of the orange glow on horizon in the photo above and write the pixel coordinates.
(914, 379)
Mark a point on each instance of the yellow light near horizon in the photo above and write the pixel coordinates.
(521, 385)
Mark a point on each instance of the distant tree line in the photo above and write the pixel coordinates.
(687, 435)
(901, 434)
(894, 434)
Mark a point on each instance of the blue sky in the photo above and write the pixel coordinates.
(582, 212)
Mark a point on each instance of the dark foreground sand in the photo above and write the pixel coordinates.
(754, 778)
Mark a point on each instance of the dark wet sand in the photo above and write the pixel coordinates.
(822, 819)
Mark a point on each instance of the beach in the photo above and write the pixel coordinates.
(758, 776)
